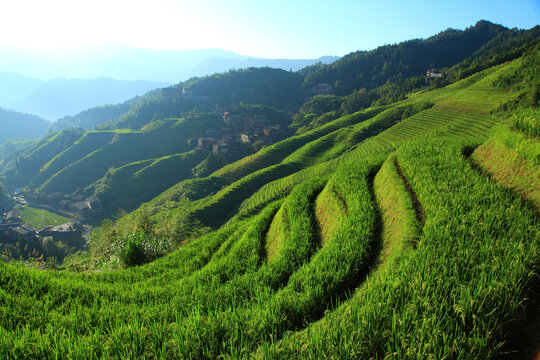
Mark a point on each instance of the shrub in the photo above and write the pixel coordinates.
(133, 252)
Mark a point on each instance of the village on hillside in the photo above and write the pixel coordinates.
(19, 237)
(239, 130)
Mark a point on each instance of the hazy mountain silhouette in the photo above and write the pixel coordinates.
(60, 97)
(130, 63)
(16, 125)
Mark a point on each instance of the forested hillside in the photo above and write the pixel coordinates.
(16, 125)
(89, 119)
(396, 62)
(387, 73)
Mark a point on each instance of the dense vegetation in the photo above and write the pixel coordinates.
(91, 118)
(271, 87)
(499, 45)
(393, 62)
(403, 230)
(4, 198)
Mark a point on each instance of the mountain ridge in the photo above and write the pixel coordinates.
(125, 62)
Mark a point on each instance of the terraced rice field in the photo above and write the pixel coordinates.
(396, 246)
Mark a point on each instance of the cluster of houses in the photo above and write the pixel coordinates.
(14, 230)
(86, 208)
(239, 130)
(89, 209)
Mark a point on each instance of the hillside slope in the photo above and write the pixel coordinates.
(382, 234)
(461, 109)
(93, 154)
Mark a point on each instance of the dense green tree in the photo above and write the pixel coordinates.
(392, 63)
(317, 106)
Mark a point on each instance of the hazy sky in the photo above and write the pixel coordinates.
(272, 28)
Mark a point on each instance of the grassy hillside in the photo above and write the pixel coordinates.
(108, 162)
(127, 186)
(158, 139)
(20, 170)
(401, 231)
(461, 109)
(226, 294)
(81, 167)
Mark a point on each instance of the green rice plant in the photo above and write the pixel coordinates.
(309, 291)
(401, 214)
(385, 281)
(527, 121)
(121, 187)
(459, 293)
(512, 158)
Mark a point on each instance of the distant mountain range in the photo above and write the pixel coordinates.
(129, 63)
(56, 84)
(59, 97)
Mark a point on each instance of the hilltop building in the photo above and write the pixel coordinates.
(89, 209)
(432, 74)
(246, 138)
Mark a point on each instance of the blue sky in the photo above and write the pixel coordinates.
(273, 29)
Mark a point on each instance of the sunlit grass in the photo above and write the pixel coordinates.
(40, 218)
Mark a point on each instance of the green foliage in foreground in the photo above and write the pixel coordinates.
(527, 121)
(40, 218)
(458, 293)
(513, 159)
